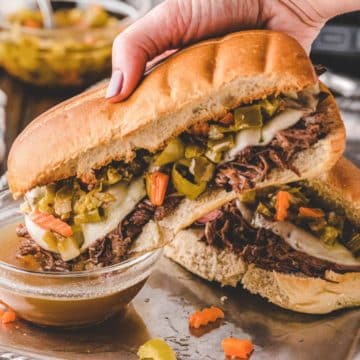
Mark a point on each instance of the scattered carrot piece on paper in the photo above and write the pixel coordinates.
(8, 316)
(239, 348)
(205, 316)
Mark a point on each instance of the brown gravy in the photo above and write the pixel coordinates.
(52, 311)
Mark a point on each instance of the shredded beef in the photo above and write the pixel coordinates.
(47, 260)
(262, 247)
(254, 163)
(320, 69)
(104, 252)
(170, 204)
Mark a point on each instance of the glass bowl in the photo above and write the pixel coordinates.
(65, 57)
(67, 299)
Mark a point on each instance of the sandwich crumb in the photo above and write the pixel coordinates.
(223, 299)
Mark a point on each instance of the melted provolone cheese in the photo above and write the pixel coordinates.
(305, 242)
(37, 234)
(126, 197)
(283, 121)
(247, 137)
(262, 136)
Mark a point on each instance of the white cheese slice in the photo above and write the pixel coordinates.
(283, 121)
(261, 137)
(305, 242)
(37, 234)
(244, 138)
(126, 197)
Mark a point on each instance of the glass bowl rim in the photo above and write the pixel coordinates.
(123, 265)
(145, 6)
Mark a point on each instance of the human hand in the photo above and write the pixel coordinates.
(176, 23)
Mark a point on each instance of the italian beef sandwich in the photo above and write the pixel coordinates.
(220, 117)
(298, 245)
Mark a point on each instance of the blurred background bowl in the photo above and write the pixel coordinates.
(66, 56)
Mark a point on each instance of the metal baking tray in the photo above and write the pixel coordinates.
(161, 310)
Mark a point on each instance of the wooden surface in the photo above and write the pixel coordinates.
(25, 103)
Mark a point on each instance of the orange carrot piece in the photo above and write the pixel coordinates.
(311, 212)
(32, 24)
(240, 348)
(158, 186)
(200, 129)
(282, 205)
(8, 317)
(1, 312)
(50, 222)
(205, 316)
(227, 119)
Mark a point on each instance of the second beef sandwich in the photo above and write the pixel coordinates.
(217, 118)
(297, 245)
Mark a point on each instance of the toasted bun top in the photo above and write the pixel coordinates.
(341, 185)
(197, 84)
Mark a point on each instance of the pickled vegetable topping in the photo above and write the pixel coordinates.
(185, 182)
(156, 349)
(93, 16)
(303, 207)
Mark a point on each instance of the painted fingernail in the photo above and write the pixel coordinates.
(115, 84)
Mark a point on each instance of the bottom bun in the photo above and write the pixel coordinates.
(205, 261)
(294, 292)
(302, 293)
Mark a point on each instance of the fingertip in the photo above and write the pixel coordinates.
(115, 84)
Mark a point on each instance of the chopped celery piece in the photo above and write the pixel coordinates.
(202, 169)
(216, 132)
(248, 117)
(222, 144)
(248, 197)
(51, 241)
(329, 235)
(172, 152)
(78, 234)
(88, 217)
(156, 349)
(112, 176)
(262, 209)
(46, 203)
(193, 150)
(317, 225)
(185, 186)
(214, 156)
(270, 106)
(68, 248)
(62, 202)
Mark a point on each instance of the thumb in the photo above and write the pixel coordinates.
(141, 42)
(129, 63)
